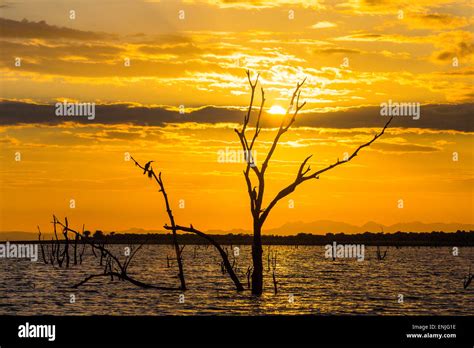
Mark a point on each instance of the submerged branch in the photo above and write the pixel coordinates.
(225, 258)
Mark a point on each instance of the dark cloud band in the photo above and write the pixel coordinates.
(439, 117)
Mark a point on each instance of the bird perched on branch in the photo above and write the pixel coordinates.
(147, 166)
(254, 192)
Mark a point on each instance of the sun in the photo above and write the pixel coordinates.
(277, 110)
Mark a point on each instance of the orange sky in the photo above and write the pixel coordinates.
(354, 54)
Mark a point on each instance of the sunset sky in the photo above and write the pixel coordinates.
(354, 54)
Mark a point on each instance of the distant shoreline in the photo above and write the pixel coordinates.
(460, 238)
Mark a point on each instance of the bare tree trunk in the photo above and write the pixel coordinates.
(53, 252)
(75, 248)
(42, 247)
(178, 251)
(66, 247)
(257, 252)
(147, 169)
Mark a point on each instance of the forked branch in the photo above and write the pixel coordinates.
(304, 173)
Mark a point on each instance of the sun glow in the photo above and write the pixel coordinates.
(276, 110)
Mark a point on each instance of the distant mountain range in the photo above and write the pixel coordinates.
(328, 226)
(293, 228)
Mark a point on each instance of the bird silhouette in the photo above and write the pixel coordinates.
(147, 166)
(254, 193)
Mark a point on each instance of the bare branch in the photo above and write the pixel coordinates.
(354, 154)
(148, 169)
(302, 177)
(257, 125)
(124, 277)
(252, 86)
(41, 245)
(223, 254)
(283, 128)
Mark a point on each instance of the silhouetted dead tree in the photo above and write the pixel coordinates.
(81, 254)
(57, 247)
(273, 258)
(275, 283)
(45, 260)
(66, 243)
(147, 169)
(174, 228)
(53, 252)
(57, 254)
(379, 254)
(248, 274)
(113, 266)
(256, 192)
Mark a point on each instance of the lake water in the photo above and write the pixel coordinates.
(430, 280)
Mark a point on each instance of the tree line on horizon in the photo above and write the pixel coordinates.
(433, 238)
